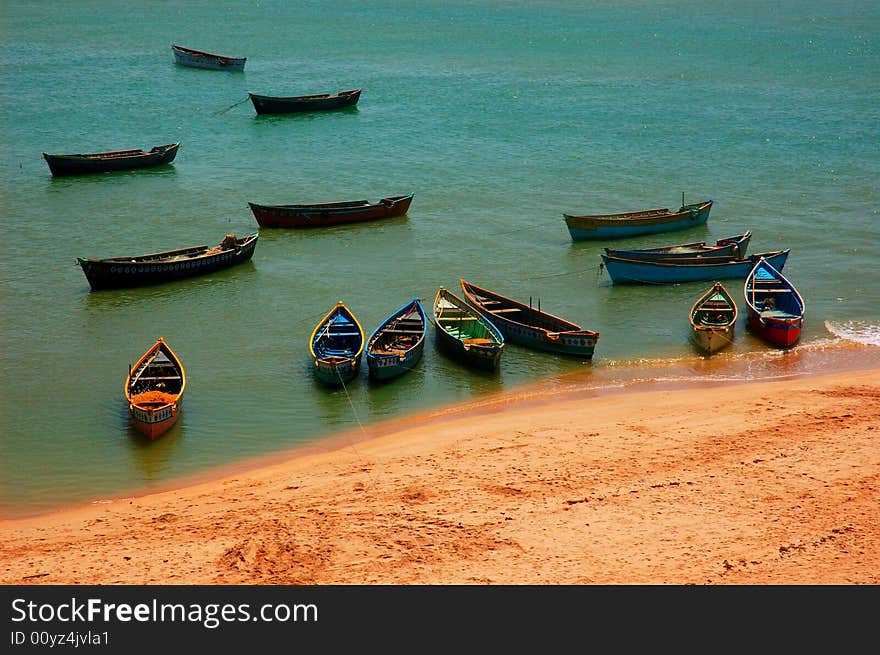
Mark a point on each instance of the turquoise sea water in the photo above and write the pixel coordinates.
(498, 115)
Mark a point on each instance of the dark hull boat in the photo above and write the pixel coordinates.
(629, 224)
(167, 266)
(713, 318)
(106, 162)
(774, 307)
(729, 247)
(199, 59)
(396, 346)
(336, 345)
(529, 326)
(296, 104)
(154, 390)
(692, 269)
(329, 213)
(462, 332)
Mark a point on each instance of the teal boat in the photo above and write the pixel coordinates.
(588, 227)
(336, 346)
(529, 326)
(465, 334)
(396, 346)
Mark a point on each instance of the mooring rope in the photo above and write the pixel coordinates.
(231, 106)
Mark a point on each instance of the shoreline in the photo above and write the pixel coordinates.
(845, 356)
(620, 486)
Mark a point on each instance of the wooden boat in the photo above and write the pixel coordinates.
(396, 346)
(199, 59)
(629, 224)
(464, 333)
(330, 213)
(154, 390)
(296, 104)
(774, 307)
(713, 318)
(106, 162)
(633, 271)
(167, 266)
(337, 344)
(735, 246)
(530, 326)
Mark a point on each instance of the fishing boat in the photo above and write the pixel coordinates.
(529, 326)
(685, 269)
(168, 265)
(774, 307)
(464, 333)
(200, 59)
(735, 246)
(114, 160)
(154, 390)
(336, 345)
(713, 318)
(396, 346)
(296, 104)
(586, 227)
(330, 213)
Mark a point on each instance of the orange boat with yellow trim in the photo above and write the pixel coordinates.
(154, 390)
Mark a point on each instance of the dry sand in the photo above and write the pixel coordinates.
(761, 483)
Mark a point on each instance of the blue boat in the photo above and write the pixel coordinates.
(589, 227)
(632, 271)
(775, 308)
(462, 332)
(337, 344)
(735, 246)
(529, 326)
(396, 346)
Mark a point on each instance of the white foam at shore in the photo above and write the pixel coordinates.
(864, 332)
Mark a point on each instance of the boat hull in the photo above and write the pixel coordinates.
(780, 332)
(485, 358)
(150, 270)
(312, 216)
(555, 335)
(336, 346)
(154, 423)
(648, 272)
(590, 228)
(335, 374)
(396, 346)
(712, 340)
(64, 165)
(299, 104)
(730, 247)
(774, 307)
(197, 59)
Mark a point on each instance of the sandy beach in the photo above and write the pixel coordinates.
(771, 482)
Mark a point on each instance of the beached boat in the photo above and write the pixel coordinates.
(154, 390)
(633, 271)
(296, 104)
(200, 59)
(330, 213)
(774, 307)
(530, 326)
(464, 333)
(106, 162)
(169, 265)
(735, 246)
(336, 345)
(396, 346)
(713, 319)
(586, 227)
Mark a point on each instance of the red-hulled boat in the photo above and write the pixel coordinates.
(154, 390)
(330, 213)
(775, 308)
